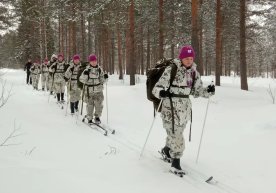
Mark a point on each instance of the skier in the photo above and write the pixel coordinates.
(176, 107)
(58, 69)
(93, 79)
(71, 75)
(50, 83)
(27, 68)
(35, 73)
(44, 75)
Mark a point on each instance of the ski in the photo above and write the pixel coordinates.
(61, 104)
(112, 131)
(106, 128)
(165, 158)
(179, 174)
(209, 179)
(92, 123)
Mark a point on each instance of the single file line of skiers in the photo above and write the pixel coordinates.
(169, 86)
(83, 80)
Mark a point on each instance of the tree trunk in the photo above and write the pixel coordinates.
(243, 65)
(200, 41)
(218, 42)
(59, 34)
(89, 36)
(131, 43)
(112, 53)
(62, 39)
(195, 37)
(83, 36)
(148, 49)
(69, 39)
(119, 41)
(142, 50)
(161, 29)
(74, 36)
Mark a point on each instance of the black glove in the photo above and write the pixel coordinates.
(106, 76)
(211, 89)
(71, 69)
(164, 94)
(86, 72)
(66, 79)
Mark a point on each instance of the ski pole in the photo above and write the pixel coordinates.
(143, 149)
(106, 100)
(51, 87)
(68, 95)
(82, 96)
(203, 127)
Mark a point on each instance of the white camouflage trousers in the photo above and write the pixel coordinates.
(94, 104)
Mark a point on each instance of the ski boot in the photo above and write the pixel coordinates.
(90, 122)
(97, 120)
(165, 153)
(76, 105)
(176, 168)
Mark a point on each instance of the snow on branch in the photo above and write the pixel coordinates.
(13, 134)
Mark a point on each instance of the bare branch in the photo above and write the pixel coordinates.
(5, 94)
(13, 134)
(272, 94)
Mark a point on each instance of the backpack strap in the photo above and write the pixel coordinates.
(173, 74)
(193, 84)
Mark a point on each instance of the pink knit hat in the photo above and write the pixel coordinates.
(186, 51)
(76, 57)
(60, 55)
(92, 58)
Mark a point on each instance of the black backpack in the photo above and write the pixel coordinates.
(81, 69)
(154, 74)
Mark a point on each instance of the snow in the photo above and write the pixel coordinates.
(58, 154)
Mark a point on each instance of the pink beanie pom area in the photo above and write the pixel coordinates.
(186, 51)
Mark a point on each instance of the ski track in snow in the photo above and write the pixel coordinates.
(58, 153)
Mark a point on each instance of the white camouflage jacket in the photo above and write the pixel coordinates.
(72, 75)
(95, 80)
(58, 69)
(182, 85)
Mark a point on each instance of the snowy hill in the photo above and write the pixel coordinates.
(58, 154)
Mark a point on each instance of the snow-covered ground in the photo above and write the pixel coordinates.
(57, 154)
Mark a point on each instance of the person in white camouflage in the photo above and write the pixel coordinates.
(50, 83)
(71, 77)
(35, 74)
(58, 69)
(44, 75)
(93, 79)
(176, 109)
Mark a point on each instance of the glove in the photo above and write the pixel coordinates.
(86, 72)
(211, 89)
(164, 94)
(106, 76)
(72, 69)
(66, 79)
